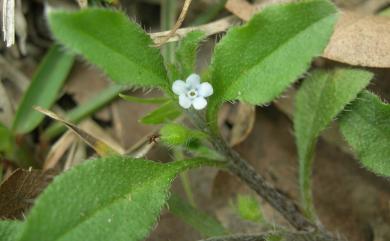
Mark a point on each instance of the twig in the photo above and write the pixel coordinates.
(9, 22)
(287, 236)
(178, 23)
(209, 29)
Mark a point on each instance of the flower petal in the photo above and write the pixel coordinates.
(199, 103)
(179, 87)
(184, 101)
(205, 89)
(193, 81)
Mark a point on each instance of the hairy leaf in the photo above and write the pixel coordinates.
(186, 53)
(108, 39)
(43, 90)
(366, 126)
(166, 112)
(9, 229)
(111, 198)
(319, 100)
(259, 60)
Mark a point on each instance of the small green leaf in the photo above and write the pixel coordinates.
(111, 198)
(6, 140)
(108, 39)
(85, 109)
(9, 229)
(186, 53)
(157, 100)
(366, 126)
(176, 134)
(207, 225)
(319, 100)
(255, 63)
(166, 112)
(248, 208)
(43, 90)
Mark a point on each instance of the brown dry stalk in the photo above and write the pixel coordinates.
(209, 29)
(178, 23)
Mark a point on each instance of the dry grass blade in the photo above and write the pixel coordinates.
(58, 150)
(178, 23)
(99, 146)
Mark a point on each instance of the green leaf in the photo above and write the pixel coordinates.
(84, 110)
(108, 39)
(385, 12)
(43, 90)
(255, 63)
(186, 53)
(9, 229)
(111, 198)
(248, 208)
(319, 100)
(166, 112)
(207, 225)
(366, 127)
(157, 100)
(176, 134)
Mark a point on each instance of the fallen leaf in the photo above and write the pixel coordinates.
(18, 191)
(101, 148)
(360, 40)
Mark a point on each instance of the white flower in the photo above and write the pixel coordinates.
(192, 92)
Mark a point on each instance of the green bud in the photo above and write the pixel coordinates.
(175, 134)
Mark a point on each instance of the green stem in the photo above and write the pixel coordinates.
(305, 186)
(168, 18)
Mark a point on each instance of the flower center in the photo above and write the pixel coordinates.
(192, 94)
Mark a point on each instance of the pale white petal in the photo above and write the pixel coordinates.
(205, 89)
(179, 87)
(199, 103)
(193, 81)
(184, 101)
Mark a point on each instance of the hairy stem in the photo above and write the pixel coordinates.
(287, 236)
(256, 182)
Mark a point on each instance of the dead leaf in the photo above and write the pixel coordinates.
(360, 40)
(243, 123)
(101, 148)
(19, 190)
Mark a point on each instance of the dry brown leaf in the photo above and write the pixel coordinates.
(240, 8)
(101, 148)
(18, 191)
(243, 123)
(360, 40)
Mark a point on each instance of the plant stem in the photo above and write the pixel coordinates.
(168, 17)
(247, 173)
(256, 182)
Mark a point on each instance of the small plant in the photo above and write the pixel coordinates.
(116, 197)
